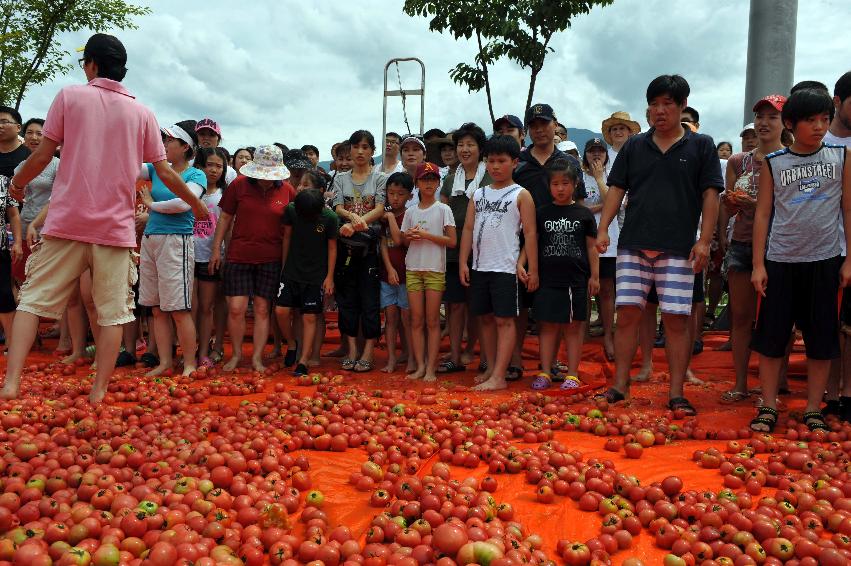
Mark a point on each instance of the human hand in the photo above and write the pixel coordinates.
(17, 251)
(593, 286)
(392, 276)
(602, 241)
(215, 261)
(32, 235)
(328, 285)
(464, 274)
(532, 282)
(759, 278)
(699, 256)
(347, 230)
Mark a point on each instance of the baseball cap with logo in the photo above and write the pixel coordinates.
(510, 119)
(208, 124)
(540, 112)
(594, 142)
(776, 101)
(426, 169)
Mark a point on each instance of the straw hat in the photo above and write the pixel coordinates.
(268, 164)
(619, 118)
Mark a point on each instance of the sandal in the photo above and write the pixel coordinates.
(483, 366)
(450, 367)
(560, 366)
(542, 381)
(514, 373)
(734, 396)
(815, 421)
(290, 358)
(612, 396)
(217, 355)
(363, 366)
(347, 364)
(682, 404)
(556, 375)
(570, 382)
(767, 417)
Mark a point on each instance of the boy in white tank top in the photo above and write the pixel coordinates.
(495, 216)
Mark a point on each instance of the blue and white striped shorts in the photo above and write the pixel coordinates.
(673, 275)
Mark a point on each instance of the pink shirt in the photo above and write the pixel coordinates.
(105, 135)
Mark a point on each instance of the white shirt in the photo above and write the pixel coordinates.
(425, 255)
(496, 232)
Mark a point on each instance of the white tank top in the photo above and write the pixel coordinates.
(496, 232)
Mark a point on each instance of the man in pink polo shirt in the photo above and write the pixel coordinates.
(105, 136)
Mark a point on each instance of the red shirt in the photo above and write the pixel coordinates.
(257, 234)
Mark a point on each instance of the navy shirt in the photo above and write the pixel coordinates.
(532, 176)
(664, 190)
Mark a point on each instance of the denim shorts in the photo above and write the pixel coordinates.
(394, 295)
(739, 257)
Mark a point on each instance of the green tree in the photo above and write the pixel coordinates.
(518, 29)
(30, 53)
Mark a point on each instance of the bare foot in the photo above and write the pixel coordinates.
(417, 374)
(403, 359)
(10, 391)
(390, 367)
(189, 369)
(466, 358)
(430, 377)
(71, 358)
(644, 375)
(482, 377)
(232, 363)
(411, 367)
(312, 363)
(492, 384)
(338, 353)
(96, 397)
(159, 370)
(258, 365)
(693, 379)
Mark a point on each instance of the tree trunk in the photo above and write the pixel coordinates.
(487, 77)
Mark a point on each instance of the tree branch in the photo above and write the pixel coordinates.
(485, 72)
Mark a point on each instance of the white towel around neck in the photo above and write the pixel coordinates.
(459, 187)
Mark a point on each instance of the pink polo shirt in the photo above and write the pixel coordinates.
(105, 135)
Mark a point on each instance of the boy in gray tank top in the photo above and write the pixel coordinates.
(797, 267)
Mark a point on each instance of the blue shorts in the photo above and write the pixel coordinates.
(673, 275)
(394, 295)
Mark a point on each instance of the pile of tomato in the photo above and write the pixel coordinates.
(162, 474)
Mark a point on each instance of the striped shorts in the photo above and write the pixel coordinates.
(673, 275)
(166, 271)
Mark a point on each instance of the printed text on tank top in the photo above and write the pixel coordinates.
(496, 210)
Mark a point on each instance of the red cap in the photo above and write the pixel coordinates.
(775, 100)
(427, 168)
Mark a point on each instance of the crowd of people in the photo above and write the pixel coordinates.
(161, 237)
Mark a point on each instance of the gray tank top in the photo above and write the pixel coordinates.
(807, 197)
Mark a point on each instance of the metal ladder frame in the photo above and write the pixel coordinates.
(404, 93)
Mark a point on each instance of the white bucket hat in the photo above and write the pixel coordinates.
(268, 164)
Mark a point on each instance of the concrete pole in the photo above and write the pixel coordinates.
(771, 50)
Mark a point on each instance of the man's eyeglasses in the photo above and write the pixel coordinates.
(4, 123)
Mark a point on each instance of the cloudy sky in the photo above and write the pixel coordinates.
(311, 72)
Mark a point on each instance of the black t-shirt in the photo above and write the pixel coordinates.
(532, 176)
(664, 190)
(562, 245)
(8, 161)
(307, 260)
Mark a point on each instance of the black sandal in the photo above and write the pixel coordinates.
(682, 404)
(514, 373)
(612, 396)
(450, 367)
(815, 421)
(765, 416)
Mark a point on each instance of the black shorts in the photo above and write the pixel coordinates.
(845, 308)
(804, 295)
(202, 272)
(607, 267)
(494, 293)
(306, 297)
(455, 292)
(561, 305)
(7, 298)
(252, 279)
(698, 295)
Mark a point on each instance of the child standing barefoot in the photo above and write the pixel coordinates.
(567, 236)
(428, 229)
(394, 293)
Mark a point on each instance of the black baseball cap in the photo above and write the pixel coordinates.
(540, 112)
(594, 142)
(105, 49)
(511, 119)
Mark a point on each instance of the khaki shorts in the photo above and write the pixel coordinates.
(166, 271)
(425, 281)
(56, 264)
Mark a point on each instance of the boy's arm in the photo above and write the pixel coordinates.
(522, 275)
(393, 227)
(288, 236)
(611, 205)
(699, 255)
(530, 232)
(392, 274)
(467, 244)
(845, 271)
(328, 284)
(762, 215)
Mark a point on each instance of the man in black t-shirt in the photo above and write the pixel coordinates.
(672, 176)
(12, 150)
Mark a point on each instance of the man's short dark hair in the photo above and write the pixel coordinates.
(809, 85)
(393, 135)
(31, 121)
(842, 89)
(805, 103)
(472, 130)
(16, 116)
(282, 147)
(402, 179)
(674, 86)
(695, 116)
(434, 133)
(307, 147)
(505, 145)
(109, 55)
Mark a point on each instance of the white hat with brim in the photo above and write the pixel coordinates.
(267, 165)
(747, 127)
(619, 118)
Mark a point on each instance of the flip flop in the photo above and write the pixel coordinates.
(682, 404)
(362, 366)
(541, 381)
(450, 367)
(731, 396)
(514, 373)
